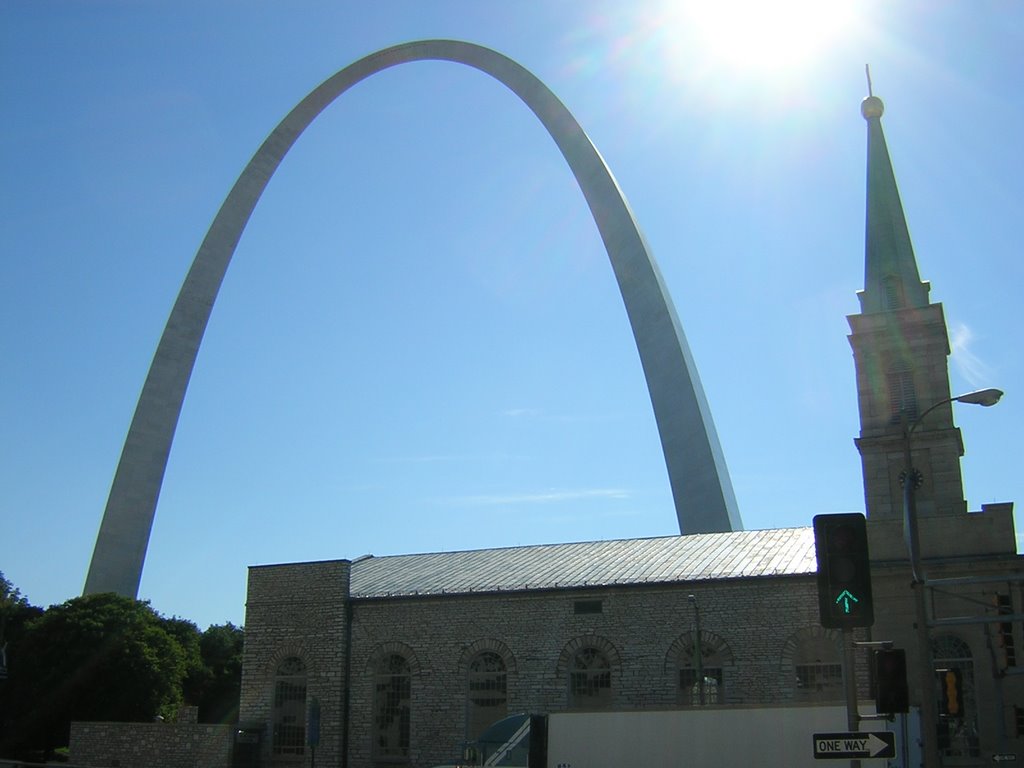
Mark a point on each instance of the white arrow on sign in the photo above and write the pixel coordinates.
(875, 745)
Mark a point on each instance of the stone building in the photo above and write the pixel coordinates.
(405, 658)
(410, 656)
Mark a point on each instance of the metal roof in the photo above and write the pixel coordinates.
(698, 557)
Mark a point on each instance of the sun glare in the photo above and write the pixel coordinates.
(760, 37)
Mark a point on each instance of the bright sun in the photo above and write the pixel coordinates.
(761, 36)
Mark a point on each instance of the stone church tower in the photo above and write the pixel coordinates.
(961, 611)
(900, 347)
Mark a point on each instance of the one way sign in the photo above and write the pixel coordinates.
(846, 746)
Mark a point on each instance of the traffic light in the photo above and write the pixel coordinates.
(951, 693)
(844, 571)
(891, 693)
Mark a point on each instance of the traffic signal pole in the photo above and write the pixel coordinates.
(926, 681)
(850, 675)
(844, 593)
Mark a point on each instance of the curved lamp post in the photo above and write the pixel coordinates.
(911, 535)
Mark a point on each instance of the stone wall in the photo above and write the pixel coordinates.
(301, 610)
(760, 620)
(151, 745)
(296, 610)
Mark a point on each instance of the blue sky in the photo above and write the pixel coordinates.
(420, 345)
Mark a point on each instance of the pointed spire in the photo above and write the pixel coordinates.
(891, 278)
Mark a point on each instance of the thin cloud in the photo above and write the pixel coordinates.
(544, 497)
(968, 364)
(565, 418)
(607, 514)
(521, 413)
(426, 459)
(432, 458)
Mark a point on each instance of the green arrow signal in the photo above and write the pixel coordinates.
(846, 597)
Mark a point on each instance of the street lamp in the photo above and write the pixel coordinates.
(983, 397)
(697, 650)
(911, 535)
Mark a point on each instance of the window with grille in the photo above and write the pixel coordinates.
(391, 707)
(689, 686)
(488, 702)
(289, 710)
(590, 680)
(817, 680)
(812, 662)
(715, 656)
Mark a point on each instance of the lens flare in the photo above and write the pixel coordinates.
(761, 37)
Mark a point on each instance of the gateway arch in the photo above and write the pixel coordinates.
(701, 489)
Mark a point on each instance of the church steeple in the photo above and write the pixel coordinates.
(891, 279)
(900, 348)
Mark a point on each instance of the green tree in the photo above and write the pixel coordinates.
(15, 615)
(221, 649)
(9, 593)
(98, 657)
(188, 636)
(213, 668)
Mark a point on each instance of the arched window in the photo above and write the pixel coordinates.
(487, 700)
(958, 737)
(590, 679)
(289, 710)
(812, 657)
(714, 657)
(392, 693)
(590, 666)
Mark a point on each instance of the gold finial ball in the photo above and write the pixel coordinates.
(872, 106)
